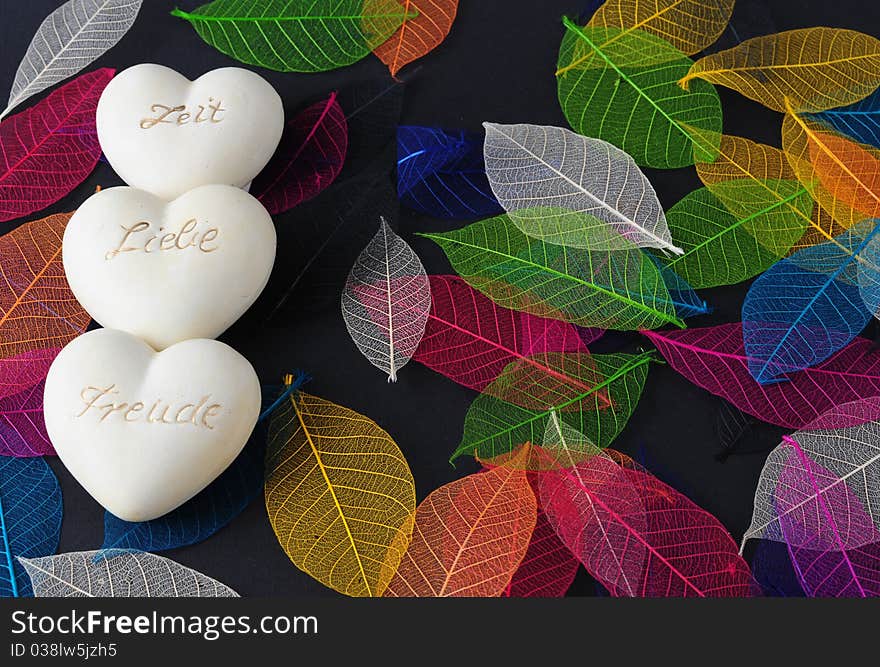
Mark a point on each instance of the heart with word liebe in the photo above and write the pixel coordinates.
(148, 411)
(169, 271)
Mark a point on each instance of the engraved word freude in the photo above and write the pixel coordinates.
(101, 402)
(138, 238)
(163, 114)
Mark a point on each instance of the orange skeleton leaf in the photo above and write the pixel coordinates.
(37, 308)
(849, 171)
(470, 535)
(418, 35)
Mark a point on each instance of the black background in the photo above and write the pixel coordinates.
(497, 64)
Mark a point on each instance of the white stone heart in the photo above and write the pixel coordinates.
(167, 272)
(166, 134)
(144, 432)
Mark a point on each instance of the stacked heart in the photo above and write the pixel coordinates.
(149, 411)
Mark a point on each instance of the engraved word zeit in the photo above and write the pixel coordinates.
(178, 115)
(137, 238)
(101, 401)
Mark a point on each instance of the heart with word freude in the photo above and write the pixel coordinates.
(149, 410)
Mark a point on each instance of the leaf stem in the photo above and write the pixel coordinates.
(291, 385)
(671, 319)
(10, 565)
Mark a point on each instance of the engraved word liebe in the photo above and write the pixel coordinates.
(179, 116)
(137, 239)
